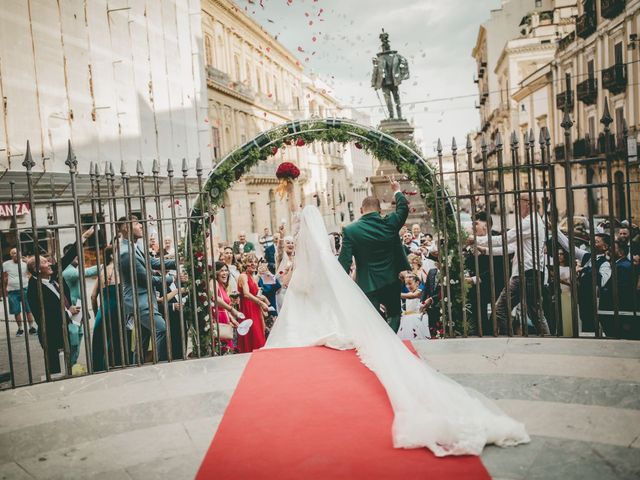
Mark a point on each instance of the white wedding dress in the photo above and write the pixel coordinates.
(324, 306)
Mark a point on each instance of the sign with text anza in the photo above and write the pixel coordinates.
(6, 209)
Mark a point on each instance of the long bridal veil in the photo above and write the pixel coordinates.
(324, 306)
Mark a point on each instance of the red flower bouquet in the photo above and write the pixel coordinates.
(287, 172)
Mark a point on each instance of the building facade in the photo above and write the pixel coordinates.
(124, 85)
(570, 55)
(601, 61)
(255, 84)
(529, 44)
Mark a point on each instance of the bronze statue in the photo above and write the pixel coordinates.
(389, 70)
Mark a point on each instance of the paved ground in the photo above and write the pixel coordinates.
(580, 400)
(19, 358)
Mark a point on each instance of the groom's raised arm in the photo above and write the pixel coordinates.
(399, 217)
(346, 252)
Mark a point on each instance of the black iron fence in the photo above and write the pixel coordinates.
(551, 245)
(105, 264)
(95, 269)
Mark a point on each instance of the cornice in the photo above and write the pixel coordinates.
(236, 14)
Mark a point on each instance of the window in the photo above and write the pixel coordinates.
(258, 82)
(619, 126)
(252, 210)
(592, 132)
(538, 3)
(215, 134)
(273, 214)
(567, 81)
(620, 197)
(591, 69)
(227, 138)
(275, 89)
(248, 70)
(593, 192)
(617, 53)
(208, 57)
(236, 66)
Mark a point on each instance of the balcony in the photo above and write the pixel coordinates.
(611, 144)
(611, 8)
(586, 24)
(566, 41)
(587, 91)
(221, 81)
(483, 96)
(614, 78)
(564, 99)
(584, 147)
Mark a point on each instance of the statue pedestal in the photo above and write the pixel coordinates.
(398, 128)
(403, 131)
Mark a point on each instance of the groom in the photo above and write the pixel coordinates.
(374, 241)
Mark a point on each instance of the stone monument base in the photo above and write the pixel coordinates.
(403, 131)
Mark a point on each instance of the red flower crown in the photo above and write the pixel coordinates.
(287, 171)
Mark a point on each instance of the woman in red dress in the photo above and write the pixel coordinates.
(253, 305)
(226, 312)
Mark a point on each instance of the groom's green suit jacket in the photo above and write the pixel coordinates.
(375, 244)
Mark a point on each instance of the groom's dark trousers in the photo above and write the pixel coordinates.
(389, 296)
(374, 243)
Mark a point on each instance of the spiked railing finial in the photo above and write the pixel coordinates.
(28, 162)
(566, 121)
(71, 160)
(606, 119)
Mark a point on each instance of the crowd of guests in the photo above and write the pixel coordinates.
(529, 247)
(139, 291)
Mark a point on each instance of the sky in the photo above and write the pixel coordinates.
(336, 40)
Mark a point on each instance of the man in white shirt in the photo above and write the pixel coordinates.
(533, 235)
(14, 289)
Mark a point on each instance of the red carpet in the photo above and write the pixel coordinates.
(312, 413)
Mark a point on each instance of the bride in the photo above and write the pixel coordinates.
(324, 306)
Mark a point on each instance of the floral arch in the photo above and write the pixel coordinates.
(404, 156)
